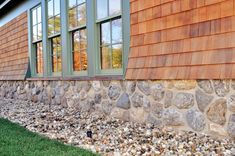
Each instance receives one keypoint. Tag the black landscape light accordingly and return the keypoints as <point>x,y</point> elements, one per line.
<point>89,134</point>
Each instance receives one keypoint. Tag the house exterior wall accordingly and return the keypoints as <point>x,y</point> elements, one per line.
<point>182,39</point>
<point>14,49</point>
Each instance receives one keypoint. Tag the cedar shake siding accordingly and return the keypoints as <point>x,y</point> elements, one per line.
<point>182,39</point>
<point>14,49</point>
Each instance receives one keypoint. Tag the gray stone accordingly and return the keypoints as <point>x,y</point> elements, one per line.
<point>195,120</point>
<point>157,91</point>
<point>206,86</point>
<point>146,104</point>
<point>144,87</point>
<point>153,120</point>
<point>157,109</point>
<point>221,87</point>
<point>123,101</point>
<point>87,106</point>
<point>114,91</point>
<point>137,100</point>
<point>83,95</point>
<point>168,99</point>
<point>233,84</point>
<point>231,126</point>
<point>231,103</point>
<point>98,98</point>
<point>203,100</point>
<point>130,86</point>
<point>106,107</point>
<point>96,85</point>
<point>35,91</point>
<point>183,100</point>
<point>217,112</point>
<point>172,117</point>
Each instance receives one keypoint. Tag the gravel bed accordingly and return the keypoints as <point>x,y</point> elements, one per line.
<point>111,136</point>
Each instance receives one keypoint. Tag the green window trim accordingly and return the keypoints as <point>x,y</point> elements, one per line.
<point>93,46</point>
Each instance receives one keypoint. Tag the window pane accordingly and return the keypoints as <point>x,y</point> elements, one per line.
<point>117,56</point>
<point>81,14</point>
<point>39,58</point>
<point>83,39</point>
<point>114,7</point>
<point>35,33</point>
<point>102,8</point>
<point>57,7</point>
<point>34,13</point>
<point>39,14</point>
<point>105,33</point>
<point>76,41</point>
<point>59,63</point>
<point>50,8</point>
<point>54,64</point>
<point>72,18</point>
<point>105,58</point>
<point>39,31</point>
<point>76,61</point>
<point>81,1</point>
<point>57,24</point>
<point>72,3</point>
<point>117,31</point>
<point>83,60</point>
<point>51,26</point>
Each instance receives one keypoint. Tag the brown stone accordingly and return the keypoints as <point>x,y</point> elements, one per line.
<point>217,112</point>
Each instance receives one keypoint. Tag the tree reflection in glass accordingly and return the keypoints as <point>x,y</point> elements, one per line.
<point>79,50</point>
<point>77,13</point>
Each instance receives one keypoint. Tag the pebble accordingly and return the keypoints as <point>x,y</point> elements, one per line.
<point>111,136</point>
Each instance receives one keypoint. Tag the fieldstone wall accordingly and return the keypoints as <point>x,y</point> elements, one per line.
<point>206,106</point>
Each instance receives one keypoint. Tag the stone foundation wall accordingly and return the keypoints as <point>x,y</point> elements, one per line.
<point>206,106</point>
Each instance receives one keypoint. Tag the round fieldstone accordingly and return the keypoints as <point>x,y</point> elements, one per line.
<point>231,103</point>
<point>144,87</point>
<point>185,84</point>
<point>114,91</point>
<point>183,100</point>
<point>217,112</point>
<point>106,107</point>
<point>157,91</point>
<point>153,120</point>
<point>123,101</point>
<point>172,117</point>
<point>137,100</point>
<point>195,119</point>
<point>98,98</point>
<point>96,85</point>
<point>231,126</point>
<point>203,100</point>
<point>157,109</point>
<point>221,87</point>
<point>206,86</point>
<point>130,86</point>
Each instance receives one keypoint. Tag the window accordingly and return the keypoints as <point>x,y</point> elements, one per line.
<point>77,27</point>
<point>110,30</point>
<point>37,39</point>
<point>80,37</point>
<point>54,34</point>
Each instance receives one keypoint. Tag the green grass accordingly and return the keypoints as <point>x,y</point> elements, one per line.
<point>17,141</point>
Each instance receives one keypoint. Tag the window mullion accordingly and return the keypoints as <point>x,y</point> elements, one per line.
<point>45,43</point>
<point>65,48</point>
<point>91,37</point>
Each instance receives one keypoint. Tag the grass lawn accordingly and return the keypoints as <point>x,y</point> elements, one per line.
<point>17,141</point>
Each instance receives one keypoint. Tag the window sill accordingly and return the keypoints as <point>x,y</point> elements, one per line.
<point>77,78</point>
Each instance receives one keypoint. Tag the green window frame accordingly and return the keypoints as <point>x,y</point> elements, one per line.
<point>36,40</point>
<point>63,50</point>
